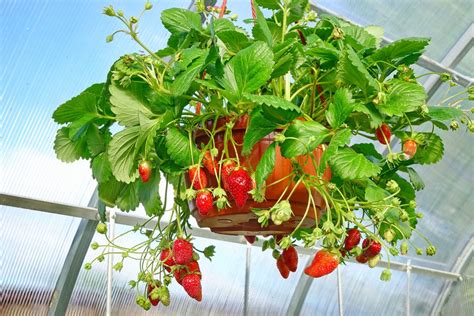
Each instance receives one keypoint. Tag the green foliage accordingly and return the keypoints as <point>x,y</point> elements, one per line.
<point>180,20</point>
<point>350,165</point>
<point>258,128</point>
<point>431,151</point>
<point>302,137</point>
<point>340,108</point>
<point>402,97</point>
<point>180,148</point>
<point>266,165</point>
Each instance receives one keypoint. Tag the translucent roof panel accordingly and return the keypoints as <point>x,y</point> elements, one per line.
<point>50,52</point>
<point>31,262</point>
<point>442,21</point>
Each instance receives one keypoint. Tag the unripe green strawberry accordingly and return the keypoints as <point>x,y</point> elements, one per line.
<point>101,228</point>
<point>430,250</point>
<point>389,234</point>
<point>374,261</point>
<point>164,295</point>
<point>386,275</point>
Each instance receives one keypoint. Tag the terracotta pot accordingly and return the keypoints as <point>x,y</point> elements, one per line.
<point>242,221</point>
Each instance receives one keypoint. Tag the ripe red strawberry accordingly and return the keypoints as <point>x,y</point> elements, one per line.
<point>383,134</point>
<point>250,239</point>
<point>281,265</point>
<point>167,257</point>
<point>323,263</point>
<point>352,239</point>
<point>239,184</point>
<point>343,252</point>
<point>362,258</point>
<point>204,202</point>
<point>227,167</point>
<point>209,163</point>
<point>409,148</point>
<point>290,256</point>
<point>192,285</point>
<point>182,251</point>
<point>150,288</point>
<point>144,169</point>
<point>198,177</point>
<point>190,268</point>
<point>371,248</point>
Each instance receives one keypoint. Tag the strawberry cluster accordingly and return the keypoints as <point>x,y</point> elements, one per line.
<point>235,180</point>
<point>287,261</point>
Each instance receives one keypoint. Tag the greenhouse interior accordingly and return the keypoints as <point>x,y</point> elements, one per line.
<point>240,157</point>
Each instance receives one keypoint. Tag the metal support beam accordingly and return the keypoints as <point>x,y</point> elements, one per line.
<point>132,220</point>
<point>462,46</point>
<point>301,290</point>
<point>407,297</point>
<point>72,265</point>
<point>424,61</point>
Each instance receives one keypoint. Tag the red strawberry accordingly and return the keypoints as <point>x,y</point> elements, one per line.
<point>190,268</point>
<point>227,167</point>
<point>204,202</point>
<point>182,251</point>
<point>144,169</point>
<point>150,288</point>
<point>323,263</point>
<point>343,252</point>
<point>409,148</point>
<point>192,285</point>
<point>209,163</point>
<point>383,134</point>
<point>371,248</point>
<point>198,177</point>
<point>352,239</point>
<point>290,256</point>
<point>250,239</point>
<point>362,258</point>
<point>281,265</point>
<point>239,184</point>
<point>167,257</point>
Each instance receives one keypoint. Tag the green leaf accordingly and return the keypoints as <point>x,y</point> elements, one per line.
<point>269,4</point>
<point>102,211</point>
<point>110,190</point>
<point>122,154</point>
<point>374,119</point>
<point>340,139</point>
<point>283,57</point>
<point>81,126</point>
<point>276,109</point>
<point>101,168</point>
<point>444,113</point>
<point>405,51</point>
<point>261,28</point>
<point>183,81</point>
<point>374,193</point>
<point>431,151</point>
<point>178,146</point>
<point>415,179</point>
<point>234,41</point>
<point>128,200</point>
<point>376,32</point>
<point>402,97</point>
<point>296,10</point>
<point>340,108</point>
<point>209,252</point>
<point>367,150</point>
<point>258,128</point>
<point>350,165</point>
<point>96,141</point>
<point>304,136</point>
<point>77,107</point>
<point>352,71</point>
<point>358,37</point>
<point>247,71</point>
<point>68,150</point>
<point>265,165</point>
<point>149,195</point>
<point>129,104</point>
<point>178,20</point>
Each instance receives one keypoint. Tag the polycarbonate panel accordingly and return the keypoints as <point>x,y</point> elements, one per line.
<point>466,65</point>
<point>321,298</point>
<point>269,293</point>
<point>223,284</point>
<point>365,294</point>
<point>442,21</point>
<point>33,247</point>
<point>50,52</point>
<point>461,297</point>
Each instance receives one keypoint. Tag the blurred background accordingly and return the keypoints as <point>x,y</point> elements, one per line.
<point>50,50</point>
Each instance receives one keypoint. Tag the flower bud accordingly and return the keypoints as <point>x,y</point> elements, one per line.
<point>120,13</point>
<point>445,77</point>
<point>430,250</point>
<point>132,283</point>
<point>412,204</point>
<point>419,251</point>
<point>133,20</point>
<point>279,138</point>
<point>419,215</point>
<point>109,38</point>
<point>392,186</point>
<point>386,275</point>
<point>395,201</point>
<point>100,258</point>
<point>109,11</point>
<point>118,266</point>
<point>403,216</point>
<point>148,5</point>
<point>454,125</point>
<point>404,248</point>
<point>94,245</point>
<point>393,251</point>
<point>88,266</point>
<point>234,17</point>
<point>101,228</point>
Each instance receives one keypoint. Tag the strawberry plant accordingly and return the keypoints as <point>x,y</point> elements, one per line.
<point>294,124</point>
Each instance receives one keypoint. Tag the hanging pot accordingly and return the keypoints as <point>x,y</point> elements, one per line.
<point>242,221</point>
